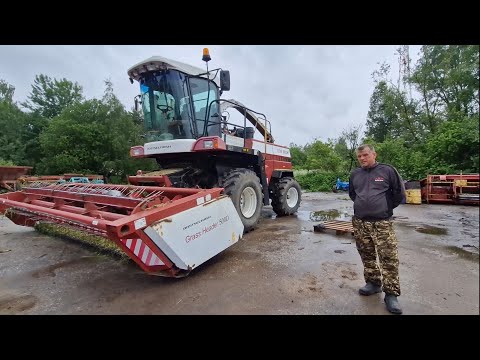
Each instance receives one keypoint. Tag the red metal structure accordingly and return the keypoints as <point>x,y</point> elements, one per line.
<point>166,231</point>
<point>90,177</point>
<point>13,178</point>
<point>454,189</point>
<point>10,174</point>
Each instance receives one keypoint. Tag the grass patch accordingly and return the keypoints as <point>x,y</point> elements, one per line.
<point>100,244</point>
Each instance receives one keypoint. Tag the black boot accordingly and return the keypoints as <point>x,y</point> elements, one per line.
<point>370,289</point>
<point>392,304</point>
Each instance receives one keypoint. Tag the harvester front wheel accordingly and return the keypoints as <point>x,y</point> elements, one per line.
<point>243,187</point>
<point>286,196</point>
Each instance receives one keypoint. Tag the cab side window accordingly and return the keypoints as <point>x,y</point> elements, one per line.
<point>203,93</point>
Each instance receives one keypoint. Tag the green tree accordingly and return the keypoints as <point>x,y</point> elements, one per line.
<point>392,113</point>
<point>380,116</point>
<point>19,138</point>
<point>321,156</point>
<point>299,157</point>
<point>12,125</point>
<point>6,163</point>
<point>351,139</point>
<point>49,97</point>
<point>92,136</point>
<point>455,147</point>
<point>447,76</point>
<point>435,131</point>
<point>6,91</point>
<point>33,126</point>
<point>341,149</point>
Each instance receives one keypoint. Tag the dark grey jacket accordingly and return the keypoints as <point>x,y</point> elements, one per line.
<point>376,191</point>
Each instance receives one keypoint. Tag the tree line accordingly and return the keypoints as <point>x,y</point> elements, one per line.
<point>426,122</point>
<point>56,130</point>
<point>434,130</point>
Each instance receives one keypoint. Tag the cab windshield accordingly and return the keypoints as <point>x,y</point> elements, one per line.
<point>175,106</point>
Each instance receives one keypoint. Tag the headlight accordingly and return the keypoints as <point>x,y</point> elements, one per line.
<point>208,144</point>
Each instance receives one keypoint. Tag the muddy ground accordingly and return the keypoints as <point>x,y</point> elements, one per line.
<point>283,267</point>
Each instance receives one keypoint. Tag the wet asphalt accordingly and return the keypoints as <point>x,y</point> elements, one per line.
<point>281,268</point>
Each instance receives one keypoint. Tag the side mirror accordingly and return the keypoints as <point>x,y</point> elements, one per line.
<point>224,80</point>
<point>137,101</point>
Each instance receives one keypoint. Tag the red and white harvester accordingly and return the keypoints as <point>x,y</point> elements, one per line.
<point>212,182</point>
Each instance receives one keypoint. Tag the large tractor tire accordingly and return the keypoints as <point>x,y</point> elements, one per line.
<point>286,196</point>
<point>243,187</point>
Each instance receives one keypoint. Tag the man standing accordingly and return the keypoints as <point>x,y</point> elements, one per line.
<point>376,189</point>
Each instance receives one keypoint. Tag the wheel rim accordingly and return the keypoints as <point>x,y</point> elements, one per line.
<point>292,197</point>
<point>248,202</point>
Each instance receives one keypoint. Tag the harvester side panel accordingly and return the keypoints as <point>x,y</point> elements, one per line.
<point>275,168</point>
<point>267,148</point>
<point>142,252</point>
<point>193,236</point>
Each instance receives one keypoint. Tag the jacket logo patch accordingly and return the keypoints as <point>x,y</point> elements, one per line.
<point>378,179</point>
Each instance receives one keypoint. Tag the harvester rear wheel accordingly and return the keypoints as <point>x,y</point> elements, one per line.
<point>243,187</point>
<point>286,196</point>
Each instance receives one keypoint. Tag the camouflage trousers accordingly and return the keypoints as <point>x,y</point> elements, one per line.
<point>378,238</point>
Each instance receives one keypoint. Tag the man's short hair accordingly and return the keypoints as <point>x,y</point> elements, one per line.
<point>366,146</point>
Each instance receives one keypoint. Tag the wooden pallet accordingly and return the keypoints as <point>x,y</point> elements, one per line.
<point>339,226</point>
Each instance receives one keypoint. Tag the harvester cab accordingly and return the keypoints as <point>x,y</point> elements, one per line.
<point>195,146</point>
<point>178,101</point>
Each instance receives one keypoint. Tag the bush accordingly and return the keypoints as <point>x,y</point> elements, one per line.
<point>6,162</point>
<point>320,180</point>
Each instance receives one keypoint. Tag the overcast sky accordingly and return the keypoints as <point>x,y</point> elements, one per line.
<point>306,92</point>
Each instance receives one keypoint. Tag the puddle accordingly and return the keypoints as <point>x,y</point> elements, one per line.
<point>432,230</point>
<point>323,215</point>
<point>12,304</point>
<point>464,254</point>
<point>50,270</point>
<point>276,228</point>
